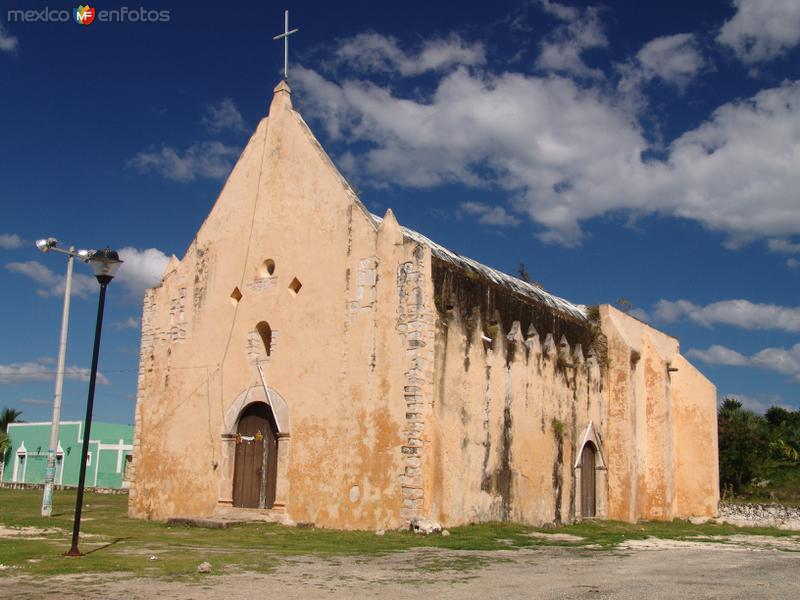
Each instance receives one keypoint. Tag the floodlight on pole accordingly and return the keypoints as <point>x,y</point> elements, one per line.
<point>105,264</point>
<point>46,245</point>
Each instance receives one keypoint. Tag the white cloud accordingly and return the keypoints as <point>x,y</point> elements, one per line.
<point>129,323</point>
<point>719,355</point>
<point>781,360</point>
<point>567,153</point>
<point>561,50</point>
<point>738,313</point>
<point>490,215</point>
<point>36,402</point>
<point>792,264</point>
<point>36,371</point>
<point>8,43</point>
<point>212,160</point>
<point>673,59</point>
<point>141,269</point>
<point>9,241</point>
<point>375,53</point>
<point>762,29</point>
<point>783,246</point>
<point>52,284</point>
<point>223,116</point>
<point>561,11</point>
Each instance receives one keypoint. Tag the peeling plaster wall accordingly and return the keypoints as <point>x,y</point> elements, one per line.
<point>501,411</point>
<point>661,442</point>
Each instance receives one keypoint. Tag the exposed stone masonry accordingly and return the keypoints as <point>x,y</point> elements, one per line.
<point>415,324</point>
<point>366,285</point>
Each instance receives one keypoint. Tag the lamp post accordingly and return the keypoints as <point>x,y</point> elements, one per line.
<point>104,264</point>
<point>46,245</point>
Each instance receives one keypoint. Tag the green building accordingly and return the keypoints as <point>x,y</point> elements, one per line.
<point>110,448</point>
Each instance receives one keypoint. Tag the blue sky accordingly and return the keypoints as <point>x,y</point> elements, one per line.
<point>649,151</point>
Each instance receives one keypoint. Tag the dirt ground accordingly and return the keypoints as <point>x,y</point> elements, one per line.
<point>650,569</point>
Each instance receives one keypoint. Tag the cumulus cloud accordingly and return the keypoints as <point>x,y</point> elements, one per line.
<point>51,283</point>
<point>490,215</point>
<point>719,355</point>
<point>375,53</point>
<point>561,50</point>
<point>762,29</point>
<point>567,153</point>
<point>781,360</point>
<point>28,372</point>
<point>210,160</point>
<point>140,270</point>
<point>673,59</point>
<point>738,313</point>
<point>129,323</point>
<point>10,241</point>
<point>223,116</point>
<point>783,246</point>
<point>8,43</point>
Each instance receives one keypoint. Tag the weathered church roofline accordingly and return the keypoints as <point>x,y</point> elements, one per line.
<point>523,288</point>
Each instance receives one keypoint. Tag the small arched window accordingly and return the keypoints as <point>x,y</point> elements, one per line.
<point>267,268</point>
<point>265,331</point>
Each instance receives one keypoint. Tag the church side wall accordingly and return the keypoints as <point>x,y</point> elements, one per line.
<point>661,443</point>
<point>509,417</point>
<point>694,429</point>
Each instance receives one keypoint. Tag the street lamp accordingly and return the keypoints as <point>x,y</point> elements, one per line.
<point>104,264</point>
<point>46,245</point>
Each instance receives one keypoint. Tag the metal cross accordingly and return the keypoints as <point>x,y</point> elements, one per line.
<point>285,37</point>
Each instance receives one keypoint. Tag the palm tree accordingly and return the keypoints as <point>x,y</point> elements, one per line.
<point>9,415</point>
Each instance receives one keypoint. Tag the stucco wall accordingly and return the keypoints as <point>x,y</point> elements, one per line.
<point>509,418</point>
<point>661,444</point>
<point>339,357</point>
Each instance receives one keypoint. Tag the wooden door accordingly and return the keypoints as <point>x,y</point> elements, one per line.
<point>256,462</point>
<point>588,482</point>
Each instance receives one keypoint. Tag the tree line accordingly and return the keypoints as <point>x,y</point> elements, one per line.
<point>749,443</point>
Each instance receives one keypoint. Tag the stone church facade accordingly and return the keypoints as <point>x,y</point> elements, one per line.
<point>306,361</point>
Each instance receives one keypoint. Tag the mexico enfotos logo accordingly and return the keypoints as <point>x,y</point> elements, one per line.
<point>86,15</point>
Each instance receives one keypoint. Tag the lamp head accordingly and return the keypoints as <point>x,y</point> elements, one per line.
<point>47,243</point>
<point>105,264</point>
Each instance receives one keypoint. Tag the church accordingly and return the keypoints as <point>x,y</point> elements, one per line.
<point>306,361</point>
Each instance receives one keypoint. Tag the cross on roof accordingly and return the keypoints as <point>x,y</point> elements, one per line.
<point>285,37</point>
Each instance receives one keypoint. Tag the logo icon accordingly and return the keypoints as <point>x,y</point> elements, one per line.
<point>84,15</point>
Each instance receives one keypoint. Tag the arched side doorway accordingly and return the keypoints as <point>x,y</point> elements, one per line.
<point>588,482</point>
<point>256,458</point>
<point>590,476</point>
<point>243,419</point>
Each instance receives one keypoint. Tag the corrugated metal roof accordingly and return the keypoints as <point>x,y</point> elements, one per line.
<point>503,279</point>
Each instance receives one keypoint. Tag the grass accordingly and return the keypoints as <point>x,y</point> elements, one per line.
<point>114,543</point>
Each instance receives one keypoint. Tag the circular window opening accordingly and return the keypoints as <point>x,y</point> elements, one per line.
<point>267,268</point>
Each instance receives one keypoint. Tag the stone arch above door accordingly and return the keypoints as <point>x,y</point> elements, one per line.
<point>590,435</point>
<point>257,394</point>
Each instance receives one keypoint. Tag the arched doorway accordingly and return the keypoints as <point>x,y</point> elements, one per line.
<point>256,459</point>
<point>588,481</point>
